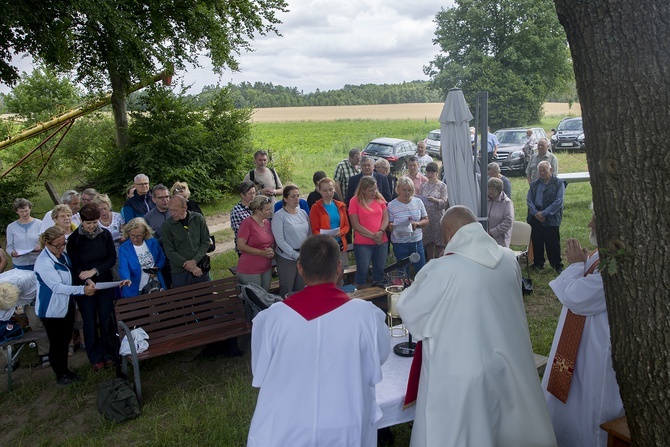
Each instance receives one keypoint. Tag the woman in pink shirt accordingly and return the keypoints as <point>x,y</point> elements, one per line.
<point>255,241</point>
<point>369,218</point>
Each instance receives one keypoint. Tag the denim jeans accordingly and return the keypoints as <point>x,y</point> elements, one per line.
<point>403,250</point>
<point>366,254</point>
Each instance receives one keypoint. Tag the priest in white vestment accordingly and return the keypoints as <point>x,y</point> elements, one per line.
<point>316,358</point>
<point>478,385</point>
<point>593,397</point>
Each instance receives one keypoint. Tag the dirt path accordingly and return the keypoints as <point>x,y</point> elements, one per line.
<point>220,222</point>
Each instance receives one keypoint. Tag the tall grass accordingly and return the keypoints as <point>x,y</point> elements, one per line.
<point>210,403</point>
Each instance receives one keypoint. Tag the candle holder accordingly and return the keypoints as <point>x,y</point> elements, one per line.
<point>396,279</point>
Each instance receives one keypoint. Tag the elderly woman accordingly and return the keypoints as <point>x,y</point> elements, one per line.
<point>434,195</point>
<point>109,220</point>
<point>62,217</point>
<point>329,214</point>
<point>241,211</point>
<point>23,236</point>
<point>93,255</point>
<point>181,188</point>
<point>290,228</point>
<point>255,241</point>
<point>54,303</point>
<point>383,167</point>
<point>407,216</point>
<point>501,212</point>
<point>140,251</point>
<point>369,218</point>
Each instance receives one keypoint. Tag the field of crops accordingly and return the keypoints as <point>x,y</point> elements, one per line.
<point>430,111</point>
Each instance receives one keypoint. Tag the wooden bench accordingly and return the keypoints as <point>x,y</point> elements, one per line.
<point>182,318</point>
<point>26,339</point>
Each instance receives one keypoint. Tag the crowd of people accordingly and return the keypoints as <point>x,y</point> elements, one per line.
<point>475,343</point>
<point>159,237</point>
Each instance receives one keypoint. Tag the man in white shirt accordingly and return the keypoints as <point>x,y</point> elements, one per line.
<point>478,385</point>
<point>581,400</point>
<point>422,157</point>
<point>316,358</point>
<point>266,179</point>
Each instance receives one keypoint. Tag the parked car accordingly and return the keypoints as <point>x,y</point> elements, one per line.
<point>434,143</point>
<point>394,150</point>
<point>511,158</point>
<point>568,135</point>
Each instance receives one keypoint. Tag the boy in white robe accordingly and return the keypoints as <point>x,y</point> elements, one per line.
<point>593,397</point>
<point>478,386</point>
<point>316,358</point>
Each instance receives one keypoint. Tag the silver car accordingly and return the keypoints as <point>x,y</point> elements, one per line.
<point>434,143</point>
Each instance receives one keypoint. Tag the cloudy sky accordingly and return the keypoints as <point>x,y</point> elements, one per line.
<point>326,44</point>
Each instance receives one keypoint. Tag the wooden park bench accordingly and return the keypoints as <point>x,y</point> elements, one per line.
<point>181,318</point>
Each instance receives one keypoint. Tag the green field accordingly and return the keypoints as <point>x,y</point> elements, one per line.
<point>210,403</point>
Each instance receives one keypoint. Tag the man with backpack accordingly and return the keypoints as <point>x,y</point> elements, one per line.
<point>265,179</point>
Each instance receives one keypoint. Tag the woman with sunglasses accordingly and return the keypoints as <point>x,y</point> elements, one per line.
<point>256,242</point>
<point>55,303</point>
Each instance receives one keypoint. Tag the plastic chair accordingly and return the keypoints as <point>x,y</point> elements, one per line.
<point>521,237</point>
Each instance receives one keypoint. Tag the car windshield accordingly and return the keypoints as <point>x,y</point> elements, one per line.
<point>571,125</point>
<point>511,137</point>
<point>433,136</point>
<point>378,149</point>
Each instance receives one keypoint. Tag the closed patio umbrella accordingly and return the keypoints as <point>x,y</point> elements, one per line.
<point>457,157</point>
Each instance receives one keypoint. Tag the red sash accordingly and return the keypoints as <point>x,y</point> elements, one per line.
<point>563,365</point>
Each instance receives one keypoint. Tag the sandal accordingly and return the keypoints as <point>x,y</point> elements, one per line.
<point>70,350</point>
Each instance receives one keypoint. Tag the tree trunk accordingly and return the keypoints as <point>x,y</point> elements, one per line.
<point>118,101</point>
<point>621,54</point>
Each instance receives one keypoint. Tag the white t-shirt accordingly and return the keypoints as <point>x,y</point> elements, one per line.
<point>146,261</point>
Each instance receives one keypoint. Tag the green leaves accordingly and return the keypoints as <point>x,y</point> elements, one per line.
<point>514,49</point>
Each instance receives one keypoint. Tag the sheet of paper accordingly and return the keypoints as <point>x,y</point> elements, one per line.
<point>24,251</point>
<point>332,232</point>
<point>107,285</point>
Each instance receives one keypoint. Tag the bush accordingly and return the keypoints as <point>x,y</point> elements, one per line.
<point>174,140</point>
<point>13,186</point>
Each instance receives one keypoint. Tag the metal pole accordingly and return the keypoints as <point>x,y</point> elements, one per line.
<point>483,110</point>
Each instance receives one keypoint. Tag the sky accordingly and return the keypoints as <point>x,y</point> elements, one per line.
<point>327,44</point>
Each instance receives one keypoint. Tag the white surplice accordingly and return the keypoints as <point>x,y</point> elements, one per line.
<point>594,393</point>
<point>317,378</point>
<point>478,385</point>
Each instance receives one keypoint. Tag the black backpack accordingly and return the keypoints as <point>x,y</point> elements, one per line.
<point>252,177</point>
<point>117,401</point>
<point>10,330</point>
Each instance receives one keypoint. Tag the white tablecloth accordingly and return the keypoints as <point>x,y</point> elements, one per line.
<point>391,390</point>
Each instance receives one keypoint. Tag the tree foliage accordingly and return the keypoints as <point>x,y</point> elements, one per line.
<point>514,49</point>
<point>12,186</point>
<point>173,140</point>
<point>261,94</point>
<point>119,42</point>
<point>41,95</point>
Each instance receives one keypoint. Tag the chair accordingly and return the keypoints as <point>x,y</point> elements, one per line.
<point>521,237</point>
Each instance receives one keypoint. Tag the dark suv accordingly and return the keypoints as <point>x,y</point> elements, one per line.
<point>511,158</point>
<point>569,135</point>
<point>394,150</point>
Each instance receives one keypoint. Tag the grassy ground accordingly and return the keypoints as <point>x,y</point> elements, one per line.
<point>210,403</point>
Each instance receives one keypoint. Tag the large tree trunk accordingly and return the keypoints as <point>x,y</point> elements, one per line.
<point>118,100</point>
<point>621,53</point>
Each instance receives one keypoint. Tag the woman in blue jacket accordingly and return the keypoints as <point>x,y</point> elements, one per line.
<point>55,303</point>
<point>139,251</point>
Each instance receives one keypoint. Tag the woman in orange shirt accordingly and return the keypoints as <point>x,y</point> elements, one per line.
<point>330,214</point>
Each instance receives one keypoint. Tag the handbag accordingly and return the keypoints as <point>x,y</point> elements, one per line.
<point>153,285</point>
<point>205,264</point>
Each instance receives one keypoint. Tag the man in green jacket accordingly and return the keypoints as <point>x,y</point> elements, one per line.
<point>185,241</point>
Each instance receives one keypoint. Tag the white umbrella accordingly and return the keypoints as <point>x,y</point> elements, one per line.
<point>457,152</point>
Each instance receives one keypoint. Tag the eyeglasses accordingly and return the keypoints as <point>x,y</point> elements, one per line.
<point>178,189</point>
<point>59,246</point>
<point>142,184</point>
<point>136,236</point>
<point>162,198</point>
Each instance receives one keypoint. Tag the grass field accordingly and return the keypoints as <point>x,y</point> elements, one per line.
<point>210,403</point>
